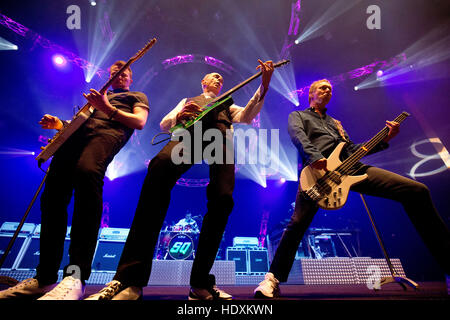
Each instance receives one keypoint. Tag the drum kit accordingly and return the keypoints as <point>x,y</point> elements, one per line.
<point>177,243</point>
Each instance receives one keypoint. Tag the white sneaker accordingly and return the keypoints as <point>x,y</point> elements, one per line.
<point>108,292</point>
<point>220,294</point>
<point>68,289</point>
<point>268,288</point>
<point>28,288</point>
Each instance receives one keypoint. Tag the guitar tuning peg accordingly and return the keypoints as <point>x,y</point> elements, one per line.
<point>42,148</point>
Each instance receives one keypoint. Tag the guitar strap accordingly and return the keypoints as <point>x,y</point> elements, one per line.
<point>340,129</point>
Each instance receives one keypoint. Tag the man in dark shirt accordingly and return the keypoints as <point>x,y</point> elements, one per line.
<point>316,134</point>
<point>79,167</point>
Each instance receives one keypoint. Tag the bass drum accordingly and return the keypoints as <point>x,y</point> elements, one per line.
<point>181,247</point>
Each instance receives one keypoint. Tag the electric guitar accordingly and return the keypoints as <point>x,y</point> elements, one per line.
<point>222,101</point>
<point>84,113</point>
<point>330,188</point>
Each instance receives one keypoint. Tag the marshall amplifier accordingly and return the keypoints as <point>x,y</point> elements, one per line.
<point>21,243</point>
<point>31,257</point>
<point>245,242</point>
<point>259,260</point>
<point>239,256</point>
<point>109,249</point>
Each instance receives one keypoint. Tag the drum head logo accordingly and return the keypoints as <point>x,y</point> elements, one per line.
<point>180,247</point>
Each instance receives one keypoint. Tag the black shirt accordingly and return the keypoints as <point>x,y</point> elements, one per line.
<point>123,100</point>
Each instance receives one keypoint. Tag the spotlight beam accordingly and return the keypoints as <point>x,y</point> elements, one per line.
<point>316,29</point>
<point>283,80</point>
<point>13,152</point>
<point>6,45</point>
<point>104,38</point>
<point>431,49</point>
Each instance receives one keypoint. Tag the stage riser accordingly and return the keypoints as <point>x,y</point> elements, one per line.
<point>304,271</point>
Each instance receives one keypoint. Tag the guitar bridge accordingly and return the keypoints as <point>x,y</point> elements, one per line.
<point>313,193</point>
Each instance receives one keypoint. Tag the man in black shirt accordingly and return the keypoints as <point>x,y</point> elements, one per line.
<point>79,167</point>
<point>316,134</point>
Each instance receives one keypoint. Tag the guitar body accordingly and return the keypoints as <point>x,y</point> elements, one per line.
<point>336,195</point>
<point>64,134</point>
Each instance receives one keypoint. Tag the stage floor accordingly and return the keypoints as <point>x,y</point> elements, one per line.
<point>426,291</point>
<point>327,301</point>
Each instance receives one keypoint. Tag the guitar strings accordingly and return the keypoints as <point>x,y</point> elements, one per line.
<point>321,185</point>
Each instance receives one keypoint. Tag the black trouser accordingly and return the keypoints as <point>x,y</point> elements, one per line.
<point>414,196</point>
<point>136,260</point>
<point>78,167</point>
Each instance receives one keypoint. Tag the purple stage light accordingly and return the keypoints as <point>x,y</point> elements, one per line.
<point>356,73</point>
<point>59,60</point>
<point>197,58</point>
<point>379,73</point>
<point>47,44</point>
<point>282,180</point>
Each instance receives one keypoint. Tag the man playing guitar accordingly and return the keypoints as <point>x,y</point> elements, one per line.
<point>316,135</point>
<point>79,167</point>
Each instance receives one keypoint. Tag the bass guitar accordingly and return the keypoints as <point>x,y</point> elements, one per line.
<point>84,113</point>
<point>330,188</point>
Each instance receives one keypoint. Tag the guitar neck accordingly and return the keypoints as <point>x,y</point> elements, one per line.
<point>345,167</point>
<point>114,77</point>
<point>118,73</point>
<point>245,82</point>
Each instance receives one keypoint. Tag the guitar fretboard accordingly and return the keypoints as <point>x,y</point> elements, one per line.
<point>345,166</point>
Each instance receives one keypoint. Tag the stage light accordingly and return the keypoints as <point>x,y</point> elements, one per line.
<point>283,79</point>
<point>103,41</point>
<point>59,60</point>
<point>6,45</point>
<point>356,88</point>
<point>13,152</point>
<point>282,180</point>
<point>316,28</point>
<point>379,73</point>
<point>425,53</point>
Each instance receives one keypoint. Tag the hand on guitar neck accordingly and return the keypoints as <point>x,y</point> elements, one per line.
<point>99,101</point>
<point>267,69</point>
<point>51,122</point>
<point>394,129</point>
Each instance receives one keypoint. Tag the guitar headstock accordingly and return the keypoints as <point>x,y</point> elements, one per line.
<point>143,50</point>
